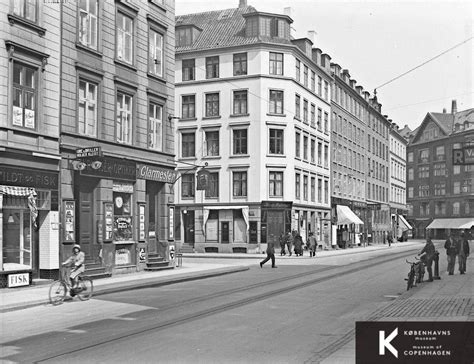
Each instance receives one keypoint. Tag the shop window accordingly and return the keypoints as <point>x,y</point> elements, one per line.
<point>240,227</point>
<point>212,226</point>
<point>16,236</point>
<point>123,212</point>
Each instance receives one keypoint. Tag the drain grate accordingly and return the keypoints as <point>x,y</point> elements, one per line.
<point>436,307</point>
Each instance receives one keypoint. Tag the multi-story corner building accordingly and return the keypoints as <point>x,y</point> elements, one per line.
<point>29,140</point>
<point>398,152</point>
<point>440,171</point>
<point>117,137</point>
<point>348,168</point>
<point>254,108</point>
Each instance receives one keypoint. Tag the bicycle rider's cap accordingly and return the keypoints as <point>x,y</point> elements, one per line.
<point>76,246</point>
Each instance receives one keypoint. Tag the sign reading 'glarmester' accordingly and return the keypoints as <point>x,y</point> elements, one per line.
<point>156,174</point>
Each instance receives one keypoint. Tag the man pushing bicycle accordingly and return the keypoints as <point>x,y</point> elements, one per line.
<point>76,262</point>
<point>427,255</point>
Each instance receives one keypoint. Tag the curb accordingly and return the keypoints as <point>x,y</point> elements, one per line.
<point>134,285</point>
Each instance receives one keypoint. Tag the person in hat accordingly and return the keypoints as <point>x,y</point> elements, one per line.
<point>427,255</point>
<point>462,248</point>
<point>76,262</point>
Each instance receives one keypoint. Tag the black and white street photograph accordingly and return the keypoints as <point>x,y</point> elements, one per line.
<point>238,182</point>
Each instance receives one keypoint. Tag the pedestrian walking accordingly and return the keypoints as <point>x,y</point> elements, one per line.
<point>427,255</point>
<point>270,255</point>
<point>462,248</point>
<point>451,252</point>
<point>390,238</point>
<point>289,242</point>
<point>312,245</point>
<point>298,245</point>
<point>282,242</point>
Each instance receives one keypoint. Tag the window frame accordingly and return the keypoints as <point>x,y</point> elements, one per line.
<point>187,104</point>
<point>97,27</point>
<point>160,145</point>
<point>185,67</point>
<point>278,141</point>
<point>216,141</point>
<point>239,101</point>
<point>210,105</point>
<point>212,67</point>
<point>240,139</point>
<point>153,29</point>
<point>131,95</point>
<point>276,65</point>
<point>212,186</point>
<point>188,147</point>
<point>242,184</point>
<point>279,97</point>
<point>125,14</point>
<point>34,90</point>
<point>87,80</point>
<point>240,64</point>
<point>188,179</point>
<point>278,184</point>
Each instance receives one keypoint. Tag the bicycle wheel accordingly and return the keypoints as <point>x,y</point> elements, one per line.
<point>85,289</point>
<point>411,279</point>
<point>57,292</point>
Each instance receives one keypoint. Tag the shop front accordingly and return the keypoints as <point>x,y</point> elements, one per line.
<point>29,225</point>
<point>276,219</point>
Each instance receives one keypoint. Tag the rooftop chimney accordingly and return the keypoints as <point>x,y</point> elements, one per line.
<point>454,107</point>
<point>444,110</point>
<point>312,36</point>
<point>287,11</point>
<point>242,3</point>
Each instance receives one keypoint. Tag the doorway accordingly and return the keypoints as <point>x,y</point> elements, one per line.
<point>275,225</point>
<point>85,227</point>
<point>188,222</point>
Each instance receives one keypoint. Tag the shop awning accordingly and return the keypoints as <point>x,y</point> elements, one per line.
<point>345,216</point>
<point>245,212</point>
<point>458,223</point>
<point>28,192</point>
<point>402,222</point>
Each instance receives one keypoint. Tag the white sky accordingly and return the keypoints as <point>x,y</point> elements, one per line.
<point>379,40</point>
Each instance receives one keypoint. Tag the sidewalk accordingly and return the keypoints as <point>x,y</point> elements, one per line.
<point>24,297</point>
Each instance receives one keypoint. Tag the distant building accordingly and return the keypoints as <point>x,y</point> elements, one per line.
<point>440,173</point>
<point>254,107</point>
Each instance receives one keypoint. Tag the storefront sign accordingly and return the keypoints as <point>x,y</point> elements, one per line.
<point>463,156</point>
<point>69,221</point>
<point>18,280</point>
<point>276,205</point>
<point>88,152</point>
<point>108,221</point>
<point>156,174</point>
<point>141,223</point>
<point>123,187</point>
<point>112,168</point>
<point>28,178</point>
<point>122,256</point>
<point>123,228</point>
<point>171,223</point>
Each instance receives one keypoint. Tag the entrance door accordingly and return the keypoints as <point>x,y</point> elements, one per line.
<point>275,226</point>
<point>188,222</point>
<point>225,232</point>
<point>84,195</point>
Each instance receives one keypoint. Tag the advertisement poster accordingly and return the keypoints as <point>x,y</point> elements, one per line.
<point>141,227</point>
<point>123,228</point>
<point>69,221</point>
<point>108,221</point>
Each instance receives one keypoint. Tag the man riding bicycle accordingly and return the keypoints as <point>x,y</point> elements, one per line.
<point>76,262</point>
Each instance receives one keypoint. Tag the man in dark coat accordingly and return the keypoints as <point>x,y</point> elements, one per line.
<point>289,242</point>
<point>427,255</point>
<point>451,252</point>
<point>270,255</point>
<point>312,245</point>
<point>298,244</point>
<point>282,242</point>
<point>462,248</point>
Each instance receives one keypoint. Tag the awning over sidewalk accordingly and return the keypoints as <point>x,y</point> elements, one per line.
<point>245,212</point>
<point>345,216</point>
<point>458,223</point>
<point>403,223</point>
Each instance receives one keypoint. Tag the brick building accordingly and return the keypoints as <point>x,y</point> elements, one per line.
<point>440,173</point>
<point>29,140</point>
<point>117,66</point>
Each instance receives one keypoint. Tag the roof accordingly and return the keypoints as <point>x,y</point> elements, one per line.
<point>445,121</point>
<point>222,28</point>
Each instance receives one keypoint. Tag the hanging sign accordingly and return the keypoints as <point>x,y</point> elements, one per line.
<point>202,179</point>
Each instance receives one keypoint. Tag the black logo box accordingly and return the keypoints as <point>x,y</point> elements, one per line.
<point>416,342</point>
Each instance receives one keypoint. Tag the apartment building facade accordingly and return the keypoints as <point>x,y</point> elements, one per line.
<point>254,108</point>
<point>440,173</point>
<point>29,141</point>
<point>117,139</point>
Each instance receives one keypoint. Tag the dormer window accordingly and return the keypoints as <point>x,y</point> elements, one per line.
<point>186,35</point>
<point>267,25</point>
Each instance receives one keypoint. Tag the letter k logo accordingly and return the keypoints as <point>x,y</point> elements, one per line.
<point>384,342</point>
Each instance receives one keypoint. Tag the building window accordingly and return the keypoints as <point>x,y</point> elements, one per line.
<point>313,189</point>
<point>326,123</point>
<point>87,108</point>
<point>88,34</point>
<point>313,151</point>
<point>320,86</point>
<point>124,38</point>
<point>326,191</point>
<point>410,157</point>
<point>212,105</point>
<point>276,102</point>
<point>276,184</point>
<point>305,111</point>
<point>424,172</point>
<point>457,187</point>
<point>326,90</point>
<point>188,70</point>
<point>188,146</point>
<point>440,155</point>
<point>440,169</point>
<point>424,156</point>
<point>456,208</point>
<point>212,190</point>
<point>124,124</point>
<point>423,191</point>
<point>155,126</point>
<point>184,37</point>
<point>313,81</point>
<point>440,189</point>
<point>298,70</point>
<point>276,63</point>
<point>26,9</point>
<point>188,107</point>
<point>276,141</point>
<point>440,208</point>
<point>305,148</point>
<point>411,174</point>
<point>320,153</point>
<point>187,185</point>
<point>155,61</point>
<point>326,155</point>
<point>239,184</point>
<point>212,67</point>
<point>24,95</point>
<point>320,119</point>
<point>320,190</point>
<point>410,192</point>
<point>297,145</point>
<point>297,107</point>
<point>240,141</point>
<point>313,115</point>
<point>240,102</point>
<point>305,76</point>
<point>212,143</point>
<point>240,64</point>
<point>305,188</point>
<point>297,186</point>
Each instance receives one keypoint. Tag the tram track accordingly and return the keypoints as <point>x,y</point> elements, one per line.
<point>308,280</point>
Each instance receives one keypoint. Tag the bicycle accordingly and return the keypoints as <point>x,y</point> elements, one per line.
<point>59,289</point>
<point>416,273</point>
